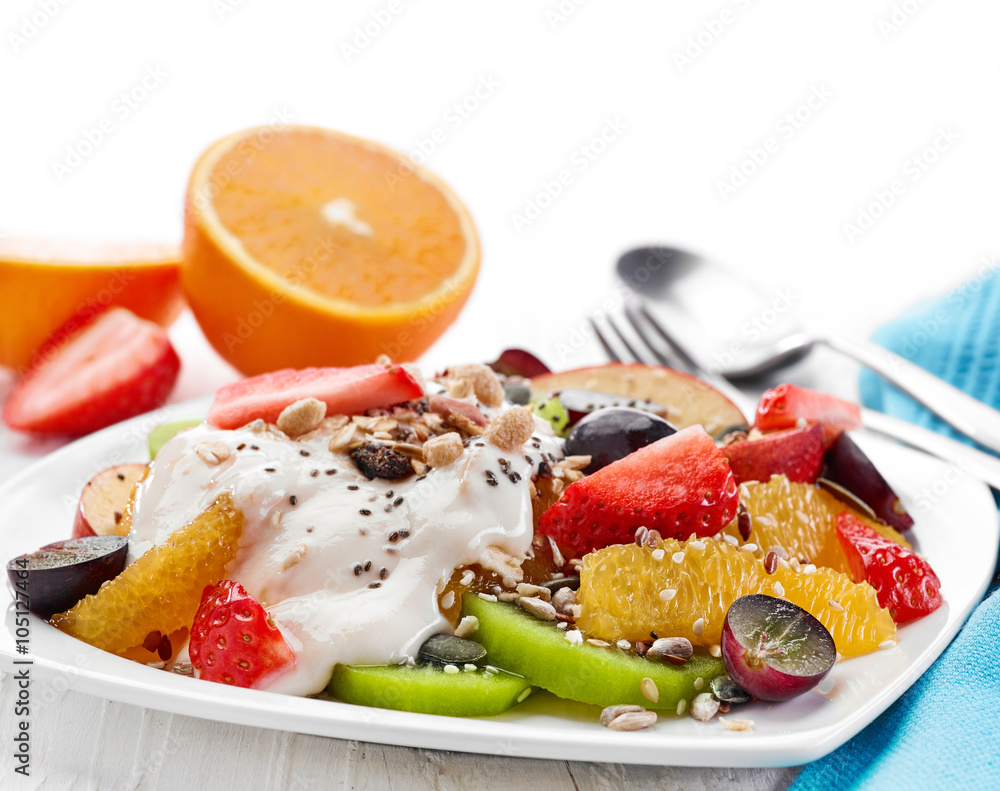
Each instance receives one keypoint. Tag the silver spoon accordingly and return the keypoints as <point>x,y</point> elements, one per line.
<point>758,332</point>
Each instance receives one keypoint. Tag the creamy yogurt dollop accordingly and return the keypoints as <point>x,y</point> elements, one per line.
<point>313,520</point>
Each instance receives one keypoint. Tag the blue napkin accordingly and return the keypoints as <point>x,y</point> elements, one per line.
<point>944,732</point>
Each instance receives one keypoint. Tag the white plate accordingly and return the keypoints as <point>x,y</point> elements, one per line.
<point>957,528</point>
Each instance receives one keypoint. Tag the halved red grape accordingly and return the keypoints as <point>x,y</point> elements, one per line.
<point>58,575</point>
<point>774,649</point>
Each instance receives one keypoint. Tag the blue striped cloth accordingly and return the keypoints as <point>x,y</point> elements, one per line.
<point>944,733</point>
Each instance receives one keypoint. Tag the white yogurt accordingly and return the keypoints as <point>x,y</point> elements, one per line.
<point>300,560</point>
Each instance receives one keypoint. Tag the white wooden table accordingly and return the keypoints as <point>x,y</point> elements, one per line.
<point>840,99</point>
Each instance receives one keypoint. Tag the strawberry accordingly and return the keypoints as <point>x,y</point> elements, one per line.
<point>678,485</point>
<point>785,405</point>
<point>796,453</point>
<point>88,376</point>
<point>344,390</point>
<point>905,583</point>
<point>233,640</point>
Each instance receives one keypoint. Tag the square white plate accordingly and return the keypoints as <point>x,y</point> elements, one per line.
<point>956,528</point>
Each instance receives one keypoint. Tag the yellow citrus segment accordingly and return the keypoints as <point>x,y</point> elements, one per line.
<point>305,246</point>
<point>685,588</point>
<point>162,589</point>
<point>801,519</point>
<point>44,284</point>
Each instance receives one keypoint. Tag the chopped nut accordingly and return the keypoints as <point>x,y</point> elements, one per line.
<point>633,721</point>
<point>502,563</point>
<point>511,429</point>
<point>527,589</point>
<point>613,712</point>
<point>540,609</point>
<point>704,706</point>
<point>344,438</point>
<point>302,416</point>
<point>212,453</point>
<point>459,388</point>
<point>442,450</point>
<point>563,599</point>
<point>481,380</point>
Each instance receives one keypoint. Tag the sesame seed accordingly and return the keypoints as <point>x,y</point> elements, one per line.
<point>372,498</point>
<point>698,683</point>
<point>730,539</point>
<point>241,446</point>
<point>331,471</point>
<point>448,600</point>
<point>514,477</point>
<point>649,690</point>
<point>528,459</point>
<point>397,502</point>
<point>357,569</point>
<point>383,573</point>
<point>313,473</point>
<point>303,452</point>
<point>388,495</point>
<point>269,469</point>
<point>667,594</point>
<point>467,578</point>
<point>658,554</point>
<point>749,547</point>
<point>492,482</point>
<point>451,669</point>
<point>393,537</point>
<point>809,568</point>
<point>698,626</point>
<point>524,695</point>
<point>487,597</point>
<point>699,545</point>
<point>404,533</point>
<point>677,557</point>
<point>715,650</point>
<point>835,605</point>
<point>293,500</point>
<point>362,531</point>
<point>390,550</point>
<point>353,487</point>
<point>681,706</point>
<point>624,645</point>
<point>365,512</point>
<point>468,667</point>
<point>368,565</point>
<point>886,644</point>
<point>779,589</point>
<point>420,478</point>
<point>374,585</point>
<point>255,447</point>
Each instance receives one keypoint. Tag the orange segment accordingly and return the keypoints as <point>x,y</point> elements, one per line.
<point>801,518</point>
<point>628,591</point>
<point>305,246</point>
<point>162,589</point>
<point>43,284</point>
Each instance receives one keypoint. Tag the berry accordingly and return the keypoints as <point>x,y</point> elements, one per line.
<point>785,405</point>
<point>613,433</point>
<point>87,377</point>
<point>679,485</point>
<point>796,454</point>
<point>233,640</point>
<point>345,391</point>
<point>906,584</point>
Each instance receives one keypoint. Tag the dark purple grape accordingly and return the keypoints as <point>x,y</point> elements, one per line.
<point>613,433</point>
<point>846,464</point>
<point>518,362</point>
<point>774,649</point>
<point>58,575</point>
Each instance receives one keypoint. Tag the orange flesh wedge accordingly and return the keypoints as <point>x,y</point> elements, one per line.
<point>305,246</point>
<point>628,591</point>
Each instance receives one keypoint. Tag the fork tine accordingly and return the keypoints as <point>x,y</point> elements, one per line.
<point>636,322</point>
<point>639,307</point>
<point>624,340</point>
<point>608,349</point>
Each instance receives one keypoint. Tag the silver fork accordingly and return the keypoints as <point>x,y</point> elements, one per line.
<point>654,344</point>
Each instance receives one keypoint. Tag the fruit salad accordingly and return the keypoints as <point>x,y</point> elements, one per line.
<point>616,535</point>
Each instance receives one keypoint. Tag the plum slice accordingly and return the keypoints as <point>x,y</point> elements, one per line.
<point>58,575</point>
<point>846,464</point>
<point>774,649</point>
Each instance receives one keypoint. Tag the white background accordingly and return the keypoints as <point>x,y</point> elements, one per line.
<point>696,87</point>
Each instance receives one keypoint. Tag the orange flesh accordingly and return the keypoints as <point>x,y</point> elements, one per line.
<point>280,192</point>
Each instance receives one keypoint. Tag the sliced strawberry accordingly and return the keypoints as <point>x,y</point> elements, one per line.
<point>785,405</point>
<point>678,485</point>
<point>905,583</point>
<point>88,376</point>
<point>345,391</point>
<point>233,640</point>
<point>796,453</point>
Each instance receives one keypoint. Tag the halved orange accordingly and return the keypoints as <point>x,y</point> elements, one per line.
<point>305,246</point>
<point>43,284</point>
